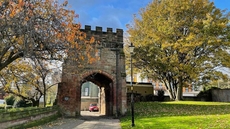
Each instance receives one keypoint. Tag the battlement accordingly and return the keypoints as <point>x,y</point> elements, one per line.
<point>104,37</point>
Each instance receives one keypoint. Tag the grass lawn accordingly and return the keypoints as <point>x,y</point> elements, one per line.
<point>179,115</point>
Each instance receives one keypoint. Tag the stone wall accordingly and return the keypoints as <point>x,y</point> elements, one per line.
<point>23,117</point>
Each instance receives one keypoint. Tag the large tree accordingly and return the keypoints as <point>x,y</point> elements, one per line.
<point>39,29</point>
<point>180,41</point>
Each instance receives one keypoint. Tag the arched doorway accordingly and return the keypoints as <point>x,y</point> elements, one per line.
<point>104,91</point>
<point>89,95</point>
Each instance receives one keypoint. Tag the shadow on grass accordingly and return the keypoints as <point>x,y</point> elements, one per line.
<point>158,109</point>
<point>178,115</point>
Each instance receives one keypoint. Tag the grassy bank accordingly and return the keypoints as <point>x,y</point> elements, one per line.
<point>179,115</point>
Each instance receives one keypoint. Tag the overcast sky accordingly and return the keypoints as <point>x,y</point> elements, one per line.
<point>115,13</point>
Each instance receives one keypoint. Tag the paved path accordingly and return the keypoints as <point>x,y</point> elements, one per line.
<point>88,120</point>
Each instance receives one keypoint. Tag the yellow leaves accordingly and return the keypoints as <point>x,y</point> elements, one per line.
<point>92,40</point>
<point>13,39</point>
<point>76,45</point>
<point>82,36</point>
<point>63,24</point>
<point>20,3</point>
<point>176,45</point>
<point>166,45</point>
<point>70,37</point>
<point>82,58</point>
<point>26,18</point>
<point>208,21</point>
<point>7,87</point>
<point>92,60</point>
<point>222,25</point>
<point>12,14</point>
<point>20,40</point>
<point>13,8</point>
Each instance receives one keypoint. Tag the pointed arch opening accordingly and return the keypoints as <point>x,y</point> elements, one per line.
<point>97,88</point>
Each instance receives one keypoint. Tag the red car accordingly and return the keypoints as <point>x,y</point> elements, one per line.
<point>93,107</point>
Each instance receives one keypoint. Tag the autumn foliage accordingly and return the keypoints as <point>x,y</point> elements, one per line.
<point>181,42</point>
<point>42,29</point>
<point>38,30</point>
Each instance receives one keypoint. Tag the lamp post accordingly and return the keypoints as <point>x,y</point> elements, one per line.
<point>131,48</point>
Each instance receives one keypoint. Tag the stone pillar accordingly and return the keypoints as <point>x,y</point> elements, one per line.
<point>102,102</point>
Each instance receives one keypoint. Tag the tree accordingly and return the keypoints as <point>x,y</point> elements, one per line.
<point>30,79</point>
<point>39,29</point>
<point>19,79</point>
<point>46,76</point>
<point>180,41</point>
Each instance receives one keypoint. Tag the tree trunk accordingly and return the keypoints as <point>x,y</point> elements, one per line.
<point>171,91</point>
<point>179,94</point>
<point>35,103</point>
<point>44,99</point>
<point>171,96</point>
<point>44,93</point>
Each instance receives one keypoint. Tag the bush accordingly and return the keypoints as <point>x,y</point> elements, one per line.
<point>149,97</point>
<point>142,99</point>
<point>10,100</point>
<point>23,103</point>
<point>160,95</point>
<point>136,97</point>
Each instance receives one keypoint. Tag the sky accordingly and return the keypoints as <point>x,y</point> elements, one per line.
<point>115,13</point>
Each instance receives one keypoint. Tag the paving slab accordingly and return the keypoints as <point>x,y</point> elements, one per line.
<point>88,120</point>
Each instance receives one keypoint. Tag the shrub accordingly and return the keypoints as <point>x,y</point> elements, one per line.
<point>136,97</point>
<point>23,103</point>
<point>160,95</point>
<point>142,99</point>
<point>10,100</point>
<point>149,97</point>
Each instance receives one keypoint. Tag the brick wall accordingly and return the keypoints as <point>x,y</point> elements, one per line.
<point>107,73</point>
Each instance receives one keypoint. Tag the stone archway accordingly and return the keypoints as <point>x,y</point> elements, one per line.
<point>106,85</point>
<point>108,73</point>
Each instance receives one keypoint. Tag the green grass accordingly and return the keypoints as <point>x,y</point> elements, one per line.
<point>179,115</point>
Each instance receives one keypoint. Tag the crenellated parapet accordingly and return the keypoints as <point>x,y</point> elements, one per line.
<point>108,39</point>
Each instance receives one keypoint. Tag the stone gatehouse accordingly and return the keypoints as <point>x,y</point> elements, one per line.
<point>108,73</point>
